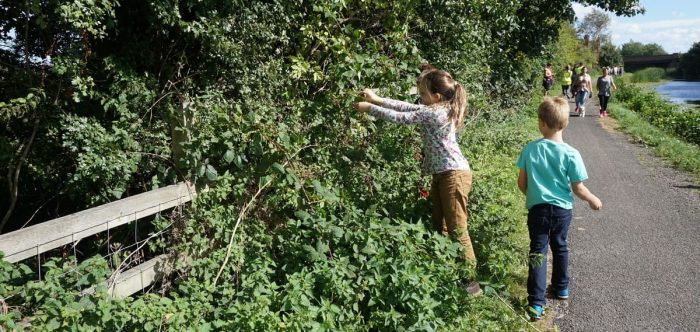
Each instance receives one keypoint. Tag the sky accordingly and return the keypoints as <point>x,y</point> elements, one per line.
<point>673,24</point>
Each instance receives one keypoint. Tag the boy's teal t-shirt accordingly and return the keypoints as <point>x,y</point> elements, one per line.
<point>551,167</point>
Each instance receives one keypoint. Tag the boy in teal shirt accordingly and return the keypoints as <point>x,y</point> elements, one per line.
<point>551,171</point>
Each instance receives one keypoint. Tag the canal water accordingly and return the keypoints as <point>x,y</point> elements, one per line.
<point>680,91</point>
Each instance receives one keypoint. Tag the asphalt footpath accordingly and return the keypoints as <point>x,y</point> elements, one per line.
<point>635,264</point>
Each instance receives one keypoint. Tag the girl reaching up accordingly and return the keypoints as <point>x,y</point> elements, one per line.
<point>439,116</point>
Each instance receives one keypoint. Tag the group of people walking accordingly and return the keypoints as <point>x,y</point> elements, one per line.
<point>576,83</point>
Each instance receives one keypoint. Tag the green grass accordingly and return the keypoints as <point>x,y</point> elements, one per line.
<point>648,75</point>
<point>683,155</point>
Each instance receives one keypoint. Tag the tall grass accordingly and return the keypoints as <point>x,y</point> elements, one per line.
<point>652,74</point>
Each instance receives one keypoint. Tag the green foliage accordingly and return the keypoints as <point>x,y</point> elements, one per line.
<point>690,63</point>
<point>680,121</point>
<point>609,56</point>
<point>571,50</point>
<point>620,8</point>
<point>633,48</point>
<point>330,266</point>
<point>652,74</point>
<point>680,153</point>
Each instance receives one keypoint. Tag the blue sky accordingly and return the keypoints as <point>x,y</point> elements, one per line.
<point>673,24</point>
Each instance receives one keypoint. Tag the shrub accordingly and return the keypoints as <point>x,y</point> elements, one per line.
<point>652,74</point>
<point>681,121</point>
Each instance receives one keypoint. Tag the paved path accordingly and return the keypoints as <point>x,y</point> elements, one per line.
<point>635,265</point>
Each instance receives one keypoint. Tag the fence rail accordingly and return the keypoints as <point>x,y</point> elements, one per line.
<point>40,238</point>
<point>33,240</point>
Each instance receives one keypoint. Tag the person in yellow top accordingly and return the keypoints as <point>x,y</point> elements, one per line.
<point>566,81</point>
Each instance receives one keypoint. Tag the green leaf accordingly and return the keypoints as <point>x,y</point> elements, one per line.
<point>279,168</point>
<point>228,156</point>
<point>211,173</point>
<point>117,193</point>
<point>303,215</point>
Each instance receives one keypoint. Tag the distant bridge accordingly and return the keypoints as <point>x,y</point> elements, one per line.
<point>665,61</point>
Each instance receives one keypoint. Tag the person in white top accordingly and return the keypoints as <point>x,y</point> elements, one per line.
<point>584,88</point>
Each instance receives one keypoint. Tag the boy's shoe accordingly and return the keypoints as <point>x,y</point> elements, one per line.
<point>601,115</point>
<point>583,113</point>
<point>563,294</point>
<point>605,113</point>
<point>534,311</point>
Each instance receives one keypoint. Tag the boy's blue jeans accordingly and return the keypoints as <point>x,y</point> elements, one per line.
<point>547,224</point>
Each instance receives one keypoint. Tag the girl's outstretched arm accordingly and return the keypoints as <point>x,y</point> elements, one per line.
<point>369,96</point>
<point>401,106</point>
<point>424,116</point>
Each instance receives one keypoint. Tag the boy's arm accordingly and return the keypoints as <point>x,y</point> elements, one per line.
<point>583,193</point>
<point>522,181</point>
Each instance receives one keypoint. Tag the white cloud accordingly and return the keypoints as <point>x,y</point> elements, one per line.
<point>677,13</point>
<point>673,35</point>
<point>581,10</point>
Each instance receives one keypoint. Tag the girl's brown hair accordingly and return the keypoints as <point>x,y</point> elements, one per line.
<point>452,93</point>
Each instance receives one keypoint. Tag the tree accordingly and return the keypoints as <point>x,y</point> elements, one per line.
<point>690,63</point>
<point>570,49</point>
<point>620,8</point>
<point>633,48</point>
<point>609,56</point>
<point>654,49</point>
<point>595,24</point>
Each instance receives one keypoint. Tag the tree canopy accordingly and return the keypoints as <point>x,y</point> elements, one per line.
<point>690,63</point>
<point>633,48</point>
<point>610,56</point>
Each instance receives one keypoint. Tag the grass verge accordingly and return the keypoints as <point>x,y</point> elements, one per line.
<point>683,155</point>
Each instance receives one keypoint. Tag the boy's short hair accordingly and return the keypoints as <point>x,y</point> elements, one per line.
<point>554,112</point>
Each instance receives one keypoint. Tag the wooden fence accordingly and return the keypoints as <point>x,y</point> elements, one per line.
<point>34,240</point>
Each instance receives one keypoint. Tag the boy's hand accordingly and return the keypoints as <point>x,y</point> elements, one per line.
<point>595,203</point>
<point>369,96</point>
<point>362,106</point>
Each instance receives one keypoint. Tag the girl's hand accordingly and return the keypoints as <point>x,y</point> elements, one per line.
<point>362,106</point>
<point>369,96</point>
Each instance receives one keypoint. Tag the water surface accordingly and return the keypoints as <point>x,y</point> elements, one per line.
<point>687,92</point>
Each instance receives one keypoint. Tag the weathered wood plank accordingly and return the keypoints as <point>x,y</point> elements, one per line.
<point>142,276</point>
<point>52,234</point>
